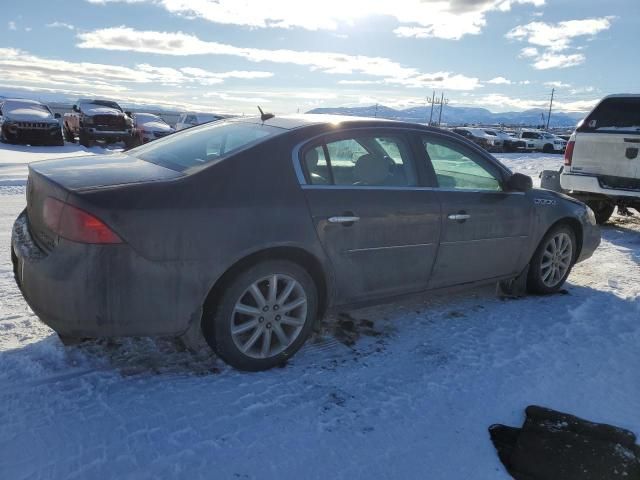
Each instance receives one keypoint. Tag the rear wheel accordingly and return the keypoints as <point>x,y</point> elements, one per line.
<point>548,148</point>
<point>263,316</point>
<point>552,261</point>
<point>602,209</point>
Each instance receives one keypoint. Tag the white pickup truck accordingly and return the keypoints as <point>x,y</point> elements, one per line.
<point>542,141</point>
<point>602,160</point>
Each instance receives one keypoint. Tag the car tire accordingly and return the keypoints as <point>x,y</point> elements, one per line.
<point>85,140</point>
<point>552,261</point>
<point>602,209</point>
<point>247,326</point>
<point>548,148</point>
<point>69,136</point>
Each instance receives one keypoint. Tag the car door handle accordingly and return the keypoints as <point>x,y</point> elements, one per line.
<point>458,217</point>
<point>344,219</point>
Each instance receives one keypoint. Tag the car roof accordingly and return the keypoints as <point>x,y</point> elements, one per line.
<point>291,122</point>
<point>22,100</point>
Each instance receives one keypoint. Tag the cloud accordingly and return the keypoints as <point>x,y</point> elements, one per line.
<point>181,44</point>
<point>556,39</point>
<point>12,25</point>
<point>417,18</point>
<point>557,84</point>
<point>499,81</point>
<point>20,66</point>
<point>57,24</point>
<point>501,102</point>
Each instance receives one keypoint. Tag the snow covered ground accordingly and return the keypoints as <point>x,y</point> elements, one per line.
<point>406,390</point>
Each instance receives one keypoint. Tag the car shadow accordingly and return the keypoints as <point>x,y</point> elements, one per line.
<point>348,335</point>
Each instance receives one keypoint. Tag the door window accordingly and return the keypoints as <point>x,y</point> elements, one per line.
<point>361,161</point>
<point>459,169</point>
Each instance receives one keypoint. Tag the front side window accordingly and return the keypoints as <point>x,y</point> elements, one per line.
<point>455,168</point>
<point>199,146</point>
<point>367,160</point>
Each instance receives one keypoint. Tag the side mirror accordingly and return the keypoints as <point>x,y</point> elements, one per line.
<point>57,116</point>
<point>519,183</point>
<point>75,108</point>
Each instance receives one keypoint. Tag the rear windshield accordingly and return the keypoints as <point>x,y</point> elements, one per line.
<point>203,145</point>
<point>617,114</point>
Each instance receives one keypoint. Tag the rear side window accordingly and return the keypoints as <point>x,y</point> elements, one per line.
<point>617,114</point>
<point>458,169</point>
<point>367,160</point>
<point>200,146</point>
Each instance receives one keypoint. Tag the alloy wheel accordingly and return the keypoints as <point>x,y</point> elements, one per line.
<point>269,316</point>
<point>556,259</point>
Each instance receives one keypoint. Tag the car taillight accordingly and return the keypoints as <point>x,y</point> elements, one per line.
<point>76,225</point>
<point>568,153</point>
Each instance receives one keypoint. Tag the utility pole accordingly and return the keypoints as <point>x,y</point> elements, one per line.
<point>553,90</point>
<point>376,112</point>
<point>433,100</point>
<point>443,102</point>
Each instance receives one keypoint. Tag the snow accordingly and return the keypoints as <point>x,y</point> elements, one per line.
<point>405,390</point>
<point>15,158</point>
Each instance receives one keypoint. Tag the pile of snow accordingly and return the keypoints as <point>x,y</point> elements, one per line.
<point>405,390</point>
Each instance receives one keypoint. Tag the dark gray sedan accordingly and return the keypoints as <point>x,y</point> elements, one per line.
<point>246,231</point>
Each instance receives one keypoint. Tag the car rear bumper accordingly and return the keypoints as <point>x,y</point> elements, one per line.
<point>591,184</point>
<point>94,291</point>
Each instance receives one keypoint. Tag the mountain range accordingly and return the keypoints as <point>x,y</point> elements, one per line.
<point>459,115</point>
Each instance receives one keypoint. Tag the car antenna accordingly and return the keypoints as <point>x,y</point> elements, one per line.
<point>265,116</point>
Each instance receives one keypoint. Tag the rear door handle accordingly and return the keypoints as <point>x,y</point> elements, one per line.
<point>459,217</point>
<point>344,219</point>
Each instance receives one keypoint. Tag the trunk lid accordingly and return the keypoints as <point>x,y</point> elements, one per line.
<point>100,171</point>
<point>62,178</point>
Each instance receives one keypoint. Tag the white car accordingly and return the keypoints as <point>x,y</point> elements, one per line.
<point>602,161</point>
<point>188,120</point>
<point>149,127</point>
<point>542,141</point>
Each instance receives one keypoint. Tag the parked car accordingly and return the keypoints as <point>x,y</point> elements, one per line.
<point>478,136</point>
<point>188,120</point>
<point>509,143</point>
<point>245,232</point>
<point>542,141</point>
<point>29,122</point>
<point>93,120</point>
<point>148,127</point>
<point>602,163</point>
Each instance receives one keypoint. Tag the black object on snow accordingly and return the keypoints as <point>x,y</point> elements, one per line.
<point>557,446</point>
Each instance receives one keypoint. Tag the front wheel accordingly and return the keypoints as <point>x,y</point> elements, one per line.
<point>552,261</point>
<point>85,140</point>
<point>263,316</point>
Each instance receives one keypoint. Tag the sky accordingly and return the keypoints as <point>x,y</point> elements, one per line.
<point>228,56</point>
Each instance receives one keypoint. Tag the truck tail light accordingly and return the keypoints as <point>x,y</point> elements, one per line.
<point>568,153</point>
<point>76,225</point>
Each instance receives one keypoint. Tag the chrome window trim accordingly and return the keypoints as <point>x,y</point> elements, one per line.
<point>297,161</point>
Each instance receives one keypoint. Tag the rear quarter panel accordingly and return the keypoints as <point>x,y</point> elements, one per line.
<point>211,219</point>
